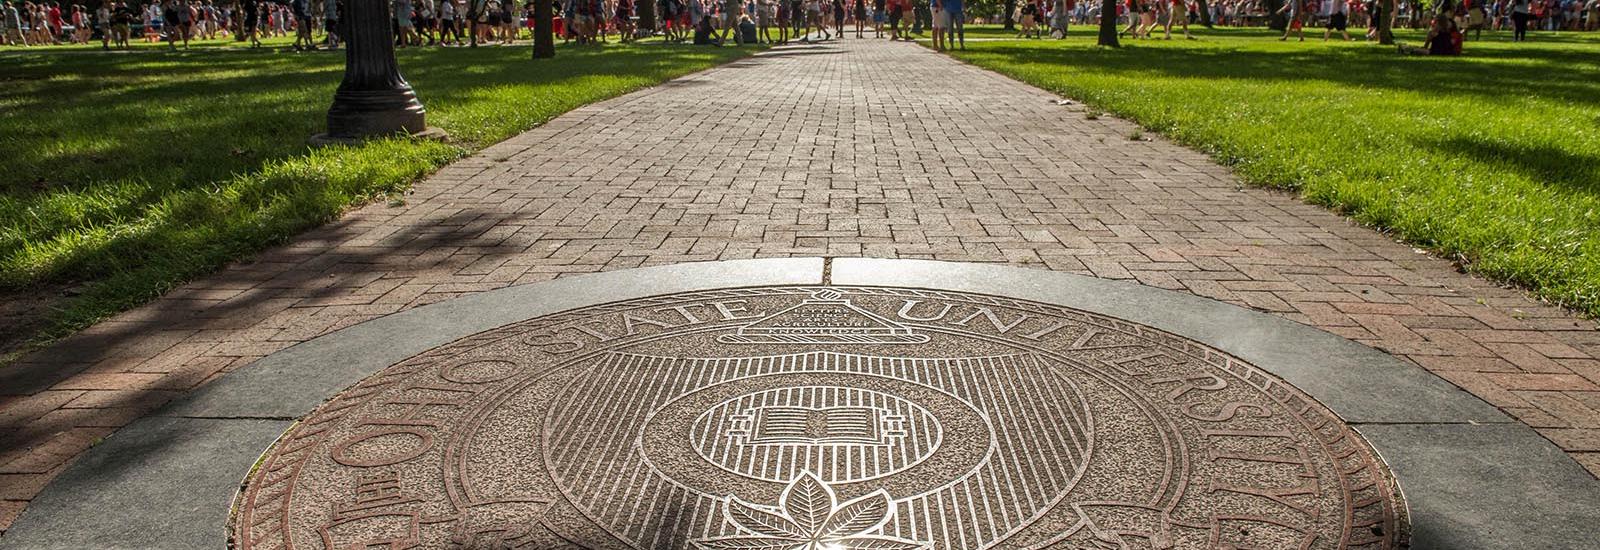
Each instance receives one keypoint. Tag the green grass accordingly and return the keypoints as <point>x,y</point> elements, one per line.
<point>1491,159</point>
<point>125,174</point>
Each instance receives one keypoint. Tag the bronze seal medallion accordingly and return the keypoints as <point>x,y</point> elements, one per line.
<point>821,418</point>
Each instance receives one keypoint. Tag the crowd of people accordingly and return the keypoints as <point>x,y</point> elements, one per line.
<point>114,23</point>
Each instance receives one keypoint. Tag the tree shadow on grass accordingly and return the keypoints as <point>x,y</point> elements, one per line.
<point>128,132</point>
<point>1540,162</point>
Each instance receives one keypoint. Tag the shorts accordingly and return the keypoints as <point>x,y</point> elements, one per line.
<point>1180,10</point>
<point>1337,22</point>
<point>331,25</point>
<point>941,19</point>
<point>877,16</point>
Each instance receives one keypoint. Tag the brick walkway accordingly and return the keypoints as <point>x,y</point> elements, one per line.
<point>858,149</point>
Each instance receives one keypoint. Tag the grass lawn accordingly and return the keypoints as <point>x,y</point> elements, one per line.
<point>1491,158</point>
<point>124,174</point>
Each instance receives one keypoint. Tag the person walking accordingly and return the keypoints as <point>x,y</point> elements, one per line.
<point>1296,25</point>
<point>403,21</point>
<point>860,17</point>
<point>102,23</point>
<point>1338,14</point>
<point>13,25</point>
<point>956,33</point>
<point>897,14</point>
<point>880,15</point>
<point>838,17</point>
<point>1521,12</point>
<point>252,22</point>
<point>302,25</point>
<point>1179,13</point>
<point>330,23</point>
<point>122,16</point>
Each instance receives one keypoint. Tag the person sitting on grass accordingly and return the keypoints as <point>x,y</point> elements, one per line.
<point>704,34</point>
<point>1443,38</point>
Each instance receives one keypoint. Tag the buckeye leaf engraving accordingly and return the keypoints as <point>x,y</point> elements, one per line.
<point>761,522</point>
<point>858,516</point>
<point>807,501</point>
<point>809,518</point>
<point>875,543</point>
<point>750,543</point>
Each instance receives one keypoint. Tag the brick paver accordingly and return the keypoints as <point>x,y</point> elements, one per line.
<point>857,149</point>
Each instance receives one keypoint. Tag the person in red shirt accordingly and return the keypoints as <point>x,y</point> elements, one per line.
<point>55,22</point>
<point>897,12</point>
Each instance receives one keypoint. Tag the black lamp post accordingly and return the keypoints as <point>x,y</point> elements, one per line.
<point>373,100</point>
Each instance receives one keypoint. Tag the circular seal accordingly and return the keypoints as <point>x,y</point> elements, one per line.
<point>820,418</point>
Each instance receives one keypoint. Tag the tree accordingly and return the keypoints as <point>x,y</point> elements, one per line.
<point>1108,23</point>
<point>1385,22</point>
<point>1010,8</point>
<point>1276,20</point>
<point>544,40</point>
<point>1205,13</point>
<point>647,14</point>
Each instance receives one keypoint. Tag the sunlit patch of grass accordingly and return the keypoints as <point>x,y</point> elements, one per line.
<point>126,174</point>
<point>1491,158</point>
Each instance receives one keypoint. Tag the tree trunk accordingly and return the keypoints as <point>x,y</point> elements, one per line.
<point>1108,24</point>
<point>1010,7</point>
<point>1205,14</point>
<point>647,14</point>
<point>1275,20</point>
<point>544,40</point>
<point>1385,22</point>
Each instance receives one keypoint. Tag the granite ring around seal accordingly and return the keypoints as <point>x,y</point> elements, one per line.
<point>822,417</point>
<point>1472,477</point>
